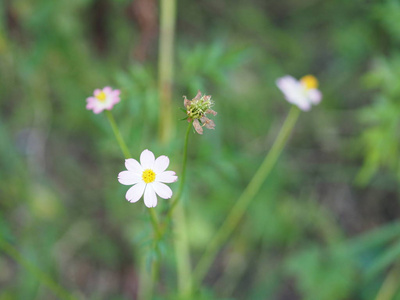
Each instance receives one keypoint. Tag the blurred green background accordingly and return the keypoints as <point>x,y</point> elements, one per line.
<point>324,225</point>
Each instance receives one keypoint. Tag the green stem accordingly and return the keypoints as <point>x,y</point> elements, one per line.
<point>248,194</point>
<point>182,253</point>
<point>183,176</point>
<point>166,66</point>
<point>181,243</point>
<point>42,277</point>
<point>156,224</point>
<point>118,135</point>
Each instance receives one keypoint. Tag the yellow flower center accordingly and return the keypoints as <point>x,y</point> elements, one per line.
<point>309,81</point>
<point>101,96</point>
<point>148,176</point>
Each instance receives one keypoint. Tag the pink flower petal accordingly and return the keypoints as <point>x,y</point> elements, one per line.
<point>197,126</point>
<point>150,198</point>
<point>129,178</point>
<point>107,90</point>
<point>135,192</point>
<point>115,100</point>
<point>147,159</point>
<point>162,190</point>
<point>96,92</point>
<point>167,177</point>
<point>198,95</point>
<point>161,164</point>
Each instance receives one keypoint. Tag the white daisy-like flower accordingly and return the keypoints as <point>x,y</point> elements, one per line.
<point>302,93</point>
<point>148,178</point>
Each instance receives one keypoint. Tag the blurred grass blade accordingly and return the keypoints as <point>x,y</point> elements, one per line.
<point>34,270</point>
<point>375,238</point>
<point>387,258</point>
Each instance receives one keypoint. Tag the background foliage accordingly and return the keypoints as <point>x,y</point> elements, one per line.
<point>324,225</point>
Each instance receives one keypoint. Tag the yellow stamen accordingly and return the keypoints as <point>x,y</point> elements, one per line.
<point>309,81</point>
<point>148,176</point>
<point>101,96</point>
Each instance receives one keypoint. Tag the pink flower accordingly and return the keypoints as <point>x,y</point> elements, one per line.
<point>303,93</point>
<point>103,99</point>
<point>148,178</point>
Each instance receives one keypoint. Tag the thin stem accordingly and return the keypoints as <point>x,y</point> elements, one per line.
<point>118,135</point>
<point>182,253</point>
<point>183,176</point>
<point>166,66</point>
<point>40,275</point>
<point>156,224</point>
<point>248,194</point>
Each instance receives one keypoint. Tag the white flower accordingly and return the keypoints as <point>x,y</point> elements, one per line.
<point>302,93</point>
<point>148,178</point>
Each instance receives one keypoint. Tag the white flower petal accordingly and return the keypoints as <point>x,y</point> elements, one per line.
<point>304,104</point>
<point>133,165</point>
<point>167,177</point>
<point>147,159</point>
<point>135,192</point>
<point>315,96</point>
<point>150,198</point>
<point>288,84</point>
<point>162,190</point>
<point>161,164</point>
<point>129,178</point>
<point>294,92</point>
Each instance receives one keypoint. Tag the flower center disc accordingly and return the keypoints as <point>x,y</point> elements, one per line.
<point>309,81</point>
<point>101,96</point>
<point>148,176</point>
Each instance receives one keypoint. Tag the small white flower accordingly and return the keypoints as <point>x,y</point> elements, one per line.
<point>148,178</point>
<point>302,93</point>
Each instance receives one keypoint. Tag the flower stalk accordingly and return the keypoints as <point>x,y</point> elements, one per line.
<point>183,176</point>
<point>118,135</point>
<point>240,207</point>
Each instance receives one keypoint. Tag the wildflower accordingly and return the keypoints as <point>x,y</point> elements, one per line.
<point>302,93</point>
<point>103,99</point>
<point>197,110</point>
<point>148,178</point>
